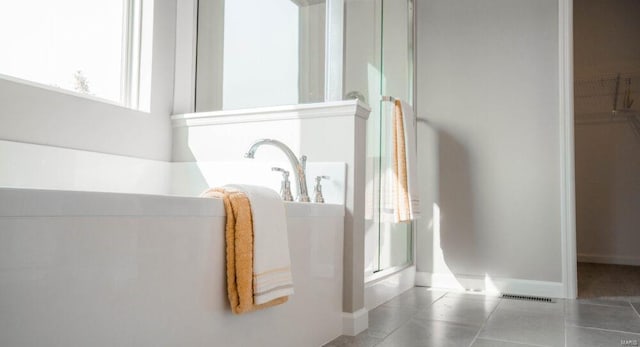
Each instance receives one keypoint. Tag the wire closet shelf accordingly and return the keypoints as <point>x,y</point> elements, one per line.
<point>609,98</point>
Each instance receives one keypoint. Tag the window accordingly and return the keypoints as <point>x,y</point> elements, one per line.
<point>272,54</point>
<point>100,48</point>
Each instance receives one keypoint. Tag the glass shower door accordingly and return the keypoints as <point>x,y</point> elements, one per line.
<point>380,65</point>
<point>395,239</point>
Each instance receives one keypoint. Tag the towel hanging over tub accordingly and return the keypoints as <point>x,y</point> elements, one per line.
<point>257,248</point>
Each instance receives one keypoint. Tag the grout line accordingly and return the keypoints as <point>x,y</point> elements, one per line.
<point>485,322</point>
<point>634,308</point>
<point>607,330</point>
<point>432,303</point>
<point>394,330</point>
<point>602,304</point>
<point>564,324</point>
<point>379,342</point>
<point>516,342</point>
<point>438,299</point>
<point>408,320</point>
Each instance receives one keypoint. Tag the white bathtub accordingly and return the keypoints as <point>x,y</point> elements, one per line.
<point>111,269</point>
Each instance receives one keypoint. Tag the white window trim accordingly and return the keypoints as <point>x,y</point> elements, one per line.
<point>131,53</point>
<point>184,91</point>
<point>186,41</point>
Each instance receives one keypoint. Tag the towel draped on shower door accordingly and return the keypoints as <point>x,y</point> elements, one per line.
<point>401,200</point>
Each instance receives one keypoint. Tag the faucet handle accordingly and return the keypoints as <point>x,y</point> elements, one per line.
<point>323,177</point>
<point>285,173</point>
<point>285,185</point>
<point>317,191</point>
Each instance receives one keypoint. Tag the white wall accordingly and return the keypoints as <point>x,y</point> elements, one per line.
<point>606,36</point>
<point>43,116</point>
<point>489,151</point>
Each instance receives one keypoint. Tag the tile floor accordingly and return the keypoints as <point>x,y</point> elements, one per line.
<point>425,317</point>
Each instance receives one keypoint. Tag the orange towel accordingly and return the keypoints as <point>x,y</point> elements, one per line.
<point>239,250</point>
<point>401,192</point>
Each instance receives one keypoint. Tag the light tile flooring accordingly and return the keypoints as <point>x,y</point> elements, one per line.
<point>425,317</point>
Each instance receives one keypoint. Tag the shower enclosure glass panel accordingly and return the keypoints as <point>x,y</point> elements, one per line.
<point>395,240</point>
<point>380,64</point>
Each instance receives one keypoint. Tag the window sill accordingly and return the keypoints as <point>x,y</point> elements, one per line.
<point>68,92</point>
<point>345,108</point>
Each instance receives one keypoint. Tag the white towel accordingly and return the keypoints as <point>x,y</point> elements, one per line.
<point>271,262</point>
<point>409,122</point>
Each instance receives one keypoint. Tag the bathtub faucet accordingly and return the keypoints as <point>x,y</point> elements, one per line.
<point>299,166</point>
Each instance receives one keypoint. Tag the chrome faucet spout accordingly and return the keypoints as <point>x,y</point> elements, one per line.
<point>299,166</point>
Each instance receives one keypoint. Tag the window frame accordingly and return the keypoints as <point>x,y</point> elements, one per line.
<point>131,62</point>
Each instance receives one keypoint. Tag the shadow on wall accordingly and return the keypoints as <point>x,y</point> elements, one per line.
<point>456,204</point>
<point>449,225</point>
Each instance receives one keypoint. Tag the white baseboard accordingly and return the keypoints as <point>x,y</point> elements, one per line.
<point>355,323</point>
<point>491,286</point>
<point>381,290</point>
<point>608,259</point>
